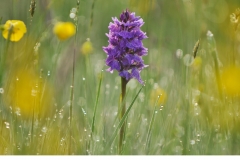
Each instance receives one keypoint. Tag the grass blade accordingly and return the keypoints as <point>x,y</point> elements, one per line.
<point>123,119</point>
<point>151,124</point>
<point>96,104</point>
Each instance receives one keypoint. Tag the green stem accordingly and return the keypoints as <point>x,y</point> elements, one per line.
<point>150,126</point>
<point>71,105</point>
<point>95,107</point>
<point>109,144</point>
<point>91,19</point>
<point>123,110</point>
<point>186,122</point>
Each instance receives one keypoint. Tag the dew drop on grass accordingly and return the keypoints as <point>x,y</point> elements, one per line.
<point>156,112</point>
<point>129,124</point>
<point>137,134</point>
<point>107,86</point>
<point>34,92</point>
<point>84,111</point>
<point>188,60</point>
<point>74,10</point>
<point>7,124</point>
<point>48,73</point>
<point>83,79</point>
<point>179,53</point>
<point>44,129</point>
<point>18,111</point>
<point>1,90</point>
<point>72,15</point>
<point>197,110</point>
<point>192,142</point>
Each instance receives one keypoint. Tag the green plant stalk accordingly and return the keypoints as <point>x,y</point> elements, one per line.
<point>95,107</point>
<point>71,105</point>
<point>186,122</point>
<point>123,110</point>
<point>72,87</point>
<point>213,51</point>
<point>217,72</point>
<point>3,56</point>
<point>91,19</point>
<point>32,127</point>
<point>150,126</point>
<point>2,66</point>
<point>110,142</point>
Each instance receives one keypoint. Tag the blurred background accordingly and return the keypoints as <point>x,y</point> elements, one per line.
<point>173,28</point>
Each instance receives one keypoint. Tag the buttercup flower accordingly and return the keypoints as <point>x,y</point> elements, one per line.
<point>64,30</point>
<point>14,27</point>
<point>24,96</point>
<point>87,47</point>
<point>230,80</point>
<point>143,6</point>
<point>125,49</point>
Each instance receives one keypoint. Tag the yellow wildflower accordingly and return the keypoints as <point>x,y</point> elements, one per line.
<point>14,27</point>
<point>87,47</point>
<point>64,30</point>
<point>28,94</point>
<point>143,6</point>
<point>154,95</point>
<point>231,80</point>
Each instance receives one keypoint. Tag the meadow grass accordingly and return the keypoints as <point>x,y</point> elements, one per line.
<point>58,99</point>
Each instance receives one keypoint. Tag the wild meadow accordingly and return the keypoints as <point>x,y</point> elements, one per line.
<point>129,77</point>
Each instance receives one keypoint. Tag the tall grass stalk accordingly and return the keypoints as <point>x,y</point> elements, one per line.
<point>91,17</point>
<point>71,105</point>
<point>186,120</point>
<point>122,121</point>
<point>214,53</point>
<point>72,86</point>
<point>148,140</point>
<point>95,108</point>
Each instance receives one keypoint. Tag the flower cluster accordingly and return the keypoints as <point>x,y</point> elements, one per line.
<point>125,49</point>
